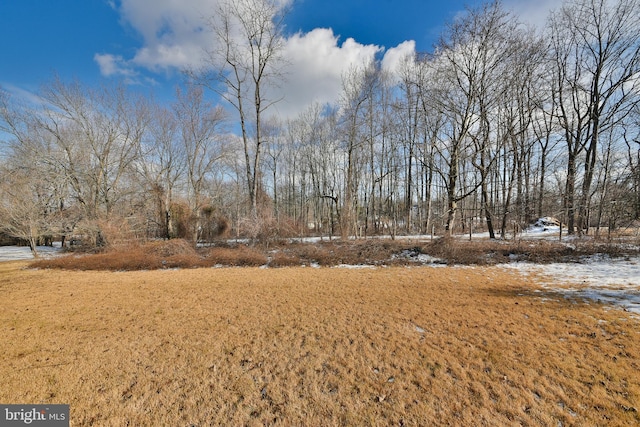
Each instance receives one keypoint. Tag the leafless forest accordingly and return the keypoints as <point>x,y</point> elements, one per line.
<point>499,125</point>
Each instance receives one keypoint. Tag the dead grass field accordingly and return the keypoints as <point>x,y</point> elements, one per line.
<point>302,346</point>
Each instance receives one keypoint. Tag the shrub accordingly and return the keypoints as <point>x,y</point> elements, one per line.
<point>284,259</point>
<point>455,251</point>
<point>168,248</point>
<point>319,253</point>
<point>114,261</point>
<point>181,254</point>
<point>150,256</point>
<point>238,256</point>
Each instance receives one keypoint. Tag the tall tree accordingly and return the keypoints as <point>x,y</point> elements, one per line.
<point>358,87</point>
<point>200,126</point>
<point>472,61</point>
<point>100,130</point>
<point>595,47</point>
<point>26,206</point>
<point>246,59</point>
<point>34,164</point>
<point>163,165</point>
<point>28,188</point>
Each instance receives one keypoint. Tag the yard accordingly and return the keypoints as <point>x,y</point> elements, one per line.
<point>424,345</point>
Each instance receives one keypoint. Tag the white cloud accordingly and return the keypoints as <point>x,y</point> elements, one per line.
<point>26,96</point>
<point>316,64</point>
<point>173,31</point>
<point>395,57</point>
<point>163,56</point>
<point>113,65</point>
<point>533,13</point>
<point>175,36</point>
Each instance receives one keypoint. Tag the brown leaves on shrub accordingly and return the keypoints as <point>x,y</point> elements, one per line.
<point>151,256</point>
<point>284,259</point>
<point>331,253</point>
<point>170,248</point>
<point>239,256</point>
<point>181,254</point>
<point>489,252</point>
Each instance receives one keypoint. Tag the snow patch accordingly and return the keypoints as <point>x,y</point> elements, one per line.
<point>417,257</point>
<point>595,278</point>
<point>355,267</point>
<point>20,253</point>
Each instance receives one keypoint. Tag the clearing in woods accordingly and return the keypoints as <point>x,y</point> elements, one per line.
<point>314,346</point>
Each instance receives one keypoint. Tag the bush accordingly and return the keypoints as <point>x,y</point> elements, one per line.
<point>181,254</point>
<point>240,256</point>
<point>454,251</point>
<point>169,248</point>
<point>284,259</point>
<point>150,256</point>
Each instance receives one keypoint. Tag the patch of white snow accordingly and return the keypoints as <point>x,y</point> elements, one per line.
<point>597,278</point>
<point>352,266</point>
<point>19,253</point>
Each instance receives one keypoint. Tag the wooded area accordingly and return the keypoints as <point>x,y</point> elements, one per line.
<point>499,125</point>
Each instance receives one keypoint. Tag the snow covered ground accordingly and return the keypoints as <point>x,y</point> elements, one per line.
<point>16,253</point>
<point>596,278</point>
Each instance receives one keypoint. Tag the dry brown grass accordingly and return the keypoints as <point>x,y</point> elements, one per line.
<point>302,346</point>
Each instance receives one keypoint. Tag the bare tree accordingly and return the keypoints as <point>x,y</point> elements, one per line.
<point>25,199</point>
<point>632,142</point>
<point>246,58</point>
<point>26,193</point>
<point>313,180</point>
<point>201,131</point>
<point>99,132</point>
<point>471,60</point>
<point>358,87</point>
<point>518,106</point>
<point>596,52</point>
<point>162,165</point>
<point>545,128</point>
<point>32,187</point>
<point>275,145</point>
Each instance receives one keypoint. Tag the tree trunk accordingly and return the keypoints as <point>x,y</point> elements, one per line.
<point>487,211</point>
<point>569,197</point>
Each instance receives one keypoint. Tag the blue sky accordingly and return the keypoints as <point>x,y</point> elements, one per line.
<point>382,22</point>
<point>147,42</point>
<point>39,37</point>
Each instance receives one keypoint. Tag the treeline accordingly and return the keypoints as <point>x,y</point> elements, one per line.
<point>501,124</point>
